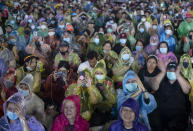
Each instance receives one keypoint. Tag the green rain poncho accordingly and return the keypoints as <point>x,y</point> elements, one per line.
<point>108,92</point>
<point>184,28</point>
<point>121,66</point>
<point>89,97</point>
<point>187,73</point>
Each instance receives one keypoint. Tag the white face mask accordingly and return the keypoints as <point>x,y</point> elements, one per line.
<point>43,27</point>
<point>96,40</point>
<point>51,33</point>
<point>33,27</point>
<point>61,26</point>
<point>168,32</point>
<point>163,50</point>
<point>143,19</point>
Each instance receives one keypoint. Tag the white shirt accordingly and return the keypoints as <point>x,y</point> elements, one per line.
<point>85,65</point>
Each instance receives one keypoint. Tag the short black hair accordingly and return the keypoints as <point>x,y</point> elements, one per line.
<point>91,55</point>
<point>107,42</point>
<point>64,64</point>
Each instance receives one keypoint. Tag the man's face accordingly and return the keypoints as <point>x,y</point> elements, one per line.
<point>92,62</point>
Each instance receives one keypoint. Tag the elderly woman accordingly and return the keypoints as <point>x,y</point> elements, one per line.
<point>87,91</point>
<point>133,88</point>
<point>186,70</point>
<point>128,117</point>
<point>70,119</point>
<point>151,48</point>
<point>15,118</point>
<point>30,66</point>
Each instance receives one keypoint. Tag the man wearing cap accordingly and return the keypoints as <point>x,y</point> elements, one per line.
<point>185,26</point>
<point>172,91</point>
<point>65,54</point>
<point>122,43</point>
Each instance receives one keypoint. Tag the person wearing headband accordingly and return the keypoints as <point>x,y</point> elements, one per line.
<point>30,64</point>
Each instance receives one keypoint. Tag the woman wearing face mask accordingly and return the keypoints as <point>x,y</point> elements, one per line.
<point>7,87</point>
<point>168,37</point>
<point>109,56</point>
<point>151,48</point>
<point>43,31</point>
<point>96,44</point>
<point>52,39</point>
<point>133,88</point>
<point>142,34</point>
<point>30,66</point>
<point>89,94</point>
<point>34,105</point>
<point>124,63</point>
<point>109,34</point>
<point>139,55</point>
<point>123,42</point>
<point>15,117</point>
<point>106,88</point>
<point>154,28</point>
<point>60,29</point>
<point>164,53</point>
<point>186,70</point>
<point>70,119</point>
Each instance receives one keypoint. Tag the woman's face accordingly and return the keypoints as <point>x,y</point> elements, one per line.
<point>139,43</point>
<point>32,64</point>
<point>127,115</point>
<point>11,107</point>
<point>69,110</point>
<point>107,47</point>
<point>24,87</point>
<point>163,45</point>
<point>151,64</point>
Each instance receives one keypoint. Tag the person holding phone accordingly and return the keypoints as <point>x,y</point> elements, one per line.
<point>87,91</point>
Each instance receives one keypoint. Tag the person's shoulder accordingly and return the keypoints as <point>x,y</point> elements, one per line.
<point>115,125</point>
<point>142,127</point>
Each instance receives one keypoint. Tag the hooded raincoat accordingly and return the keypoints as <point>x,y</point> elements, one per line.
<point>152,47</point>
<point>33,124</point>
<point>89,97</point>
<point>184,28</point>
<point>145,108</point>
<point>118,125</point>
<point>121,67</point>
<point>34,105</point>
<point>62,122</point>
<point>108,93</point>
<point>187,73</point>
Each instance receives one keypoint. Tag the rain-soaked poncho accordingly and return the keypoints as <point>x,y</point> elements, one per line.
<point>61,121</point>
<point>33,124</point>
<point>109,95</point>
<point>151,48</point>
<point>118,125</point>
<point>187,73</point>
<point>184,28</point>
<point>145,109</point>
<point>89,96</point>
<point>120,67</point>
<point>34,105</point>
<point>20,73</point>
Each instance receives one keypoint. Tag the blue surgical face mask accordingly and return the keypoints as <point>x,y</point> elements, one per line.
<point>105,51</point>
<point>154,27</point>
<point>29,68</point>
<point>171,76</point>
<point>123,41</point>
<point>141,30</point>
<point>96,41</point>
<point>163,50</point>
<point>99,77</point>
<point>138,48</point>
<point>109,30</point>
<point>66,39</point>
<point>131,87</point>
<point>12,115</point>
<point>23,92</point>
<point>125,57</point>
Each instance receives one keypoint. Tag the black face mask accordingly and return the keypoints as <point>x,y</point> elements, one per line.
<point>63,53</point>
<point>190,37</point>
<point>185,64</point>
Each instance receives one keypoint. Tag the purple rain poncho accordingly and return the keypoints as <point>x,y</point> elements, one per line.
<point>33,124</point>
